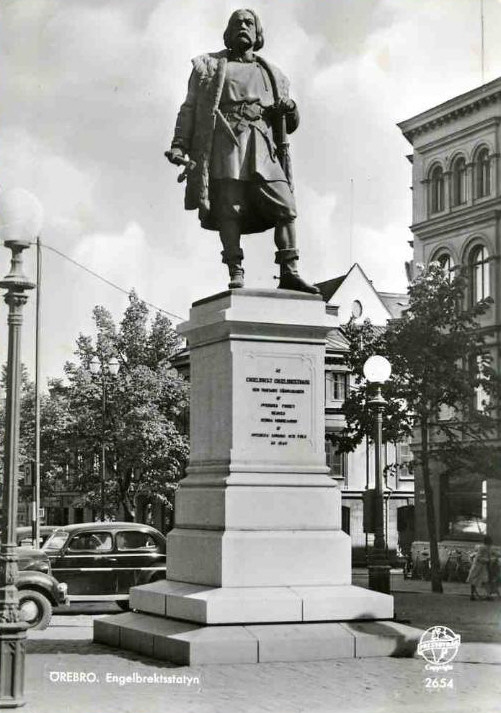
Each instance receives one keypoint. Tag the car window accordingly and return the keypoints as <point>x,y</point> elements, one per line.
<point>134,540</point>
<point>91,542</point>
<point>55,541</point>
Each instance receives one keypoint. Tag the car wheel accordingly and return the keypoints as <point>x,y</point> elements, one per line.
<point>35,609</point>
<point>123,604</point>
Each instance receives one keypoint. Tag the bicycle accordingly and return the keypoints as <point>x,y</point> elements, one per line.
<point>456,567</point>
<point>422,567</point>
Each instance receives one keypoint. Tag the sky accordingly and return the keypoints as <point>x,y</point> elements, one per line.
<point>90,92</point>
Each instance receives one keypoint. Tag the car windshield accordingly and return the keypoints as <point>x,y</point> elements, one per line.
<point>55,541</point>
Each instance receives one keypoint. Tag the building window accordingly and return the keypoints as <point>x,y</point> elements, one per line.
<point>481,399</point>
<point>446,412</point>
<point>479,274</point>
<point>464,499</point>
<point>78,515</point>
<point>404,460</point>
<point>447,264</point>
<point>437,190</point>
<point>356,309</point>
<point>459,182</point>
<point>336,462</point>
<point>335,386</point>
<point>483,173</point>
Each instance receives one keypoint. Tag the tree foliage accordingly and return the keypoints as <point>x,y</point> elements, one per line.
<point>144,411</point>
<point>441,364</point>
<point>143,428</point>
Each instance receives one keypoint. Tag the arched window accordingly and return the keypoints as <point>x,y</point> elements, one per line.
<point>437,190</point>
<point>483,173</point>
<point>479,273</point>
<point>459,181</point>
<point>447,264</point>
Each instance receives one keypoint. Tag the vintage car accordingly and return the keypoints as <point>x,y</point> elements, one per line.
<point>38,590</point>
<point>102,560</point>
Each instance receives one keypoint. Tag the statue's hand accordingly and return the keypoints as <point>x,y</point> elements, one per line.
<point>176,156</point>
<point>285,106</point>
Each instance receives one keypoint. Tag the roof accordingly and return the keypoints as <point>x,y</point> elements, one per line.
<point>337,341</point>
<point>448,111</point>
<point>394,302</point>
<point>330,287</point>
<point>84,526</point>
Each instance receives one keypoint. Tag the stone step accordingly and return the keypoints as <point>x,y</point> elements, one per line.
<point>190,644</point>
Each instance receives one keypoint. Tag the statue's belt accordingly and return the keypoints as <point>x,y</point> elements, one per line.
<point>240,114</point>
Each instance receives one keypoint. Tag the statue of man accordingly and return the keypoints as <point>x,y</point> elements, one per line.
<point>233,126</point>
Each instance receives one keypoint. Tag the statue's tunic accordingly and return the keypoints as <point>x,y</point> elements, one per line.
<point>226,125</point>
<point>242,148</point>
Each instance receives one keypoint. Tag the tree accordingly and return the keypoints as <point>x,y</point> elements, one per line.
<point>440,359</point>
<point>143,428</point>
<point>55,417</point>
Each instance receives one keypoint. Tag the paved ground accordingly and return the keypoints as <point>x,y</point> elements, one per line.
<point>345,686</point>
<point>475,621</point>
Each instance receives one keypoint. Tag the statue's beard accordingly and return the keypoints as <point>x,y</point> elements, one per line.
<point>242,42</point>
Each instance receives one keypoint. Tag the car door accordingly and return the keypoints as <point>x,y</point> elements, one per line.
<point>87,564</point>
<point>139,555</point>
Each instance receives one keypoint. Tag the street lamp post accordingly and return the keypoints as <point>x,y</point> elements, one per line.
<point>377,370</point>
<point>98,367</point>
<point>21,219</point>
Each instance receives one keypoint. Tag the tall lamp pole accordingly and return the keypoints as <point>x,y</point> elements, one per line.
<point>20,222</point>
<point>377,370</point>
<point>98,367</point>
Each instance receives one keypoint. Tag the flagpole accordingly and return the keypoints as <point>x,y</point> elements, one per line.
<point>37,396</point>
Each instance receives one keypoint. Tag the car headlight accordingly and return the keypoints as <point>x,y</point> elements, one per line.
<point>43,567</point>
<point>62,590</point>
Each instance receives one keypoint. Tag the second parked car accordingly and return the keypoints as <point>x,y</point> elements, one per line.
<point>102,560</point>
<point>39,592</point>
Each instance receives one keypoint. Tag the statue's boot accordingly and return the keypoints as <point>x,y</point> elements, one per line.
<point>289,276</point>
<point>234,261</point>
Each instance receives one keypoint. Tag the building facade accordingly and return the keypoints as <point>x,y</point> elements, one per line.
<point>353,297</point>
<point>456,220</point>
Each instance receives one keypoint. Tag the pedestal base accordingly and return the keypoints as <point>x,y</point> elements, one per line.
<point>249,605</point>
<point>257,554</point>
<point>190,644</point>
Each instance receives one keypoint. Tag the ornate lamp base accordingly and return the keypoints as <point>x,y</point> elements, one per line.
<point>12,650</point>
<point>379,577</point>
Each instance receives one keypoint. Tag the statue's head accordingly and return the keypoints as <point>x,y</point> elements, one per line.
<point>244,31</point>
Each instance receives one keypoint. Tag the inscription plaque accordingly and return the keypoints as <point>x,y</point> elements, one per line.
<point>277,393</point>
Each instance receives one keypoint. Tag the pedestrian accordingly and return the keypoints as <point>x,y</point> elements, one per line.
<point>484,570</point>
<point>494,573</point>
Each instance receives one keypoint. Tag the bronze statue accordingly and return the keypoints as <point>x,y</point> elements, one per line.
<point>233,126</point>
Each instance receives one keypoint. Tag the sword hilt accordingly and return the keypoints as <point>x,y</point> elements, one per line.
<point>188,164</point>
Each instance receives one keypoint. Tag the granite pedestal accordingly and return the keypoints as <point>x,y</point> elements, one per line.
<point>257,554</point>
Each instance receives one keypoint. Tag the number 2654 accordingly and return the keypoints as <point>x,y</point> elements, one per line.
<point>439,683</point>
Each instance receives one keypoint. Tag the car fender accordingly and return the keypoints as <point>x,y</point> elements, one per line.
<point>43,583</point>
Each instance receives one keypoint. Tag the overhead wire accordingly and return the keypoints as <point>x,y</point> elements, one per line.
<point>108,282</point>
